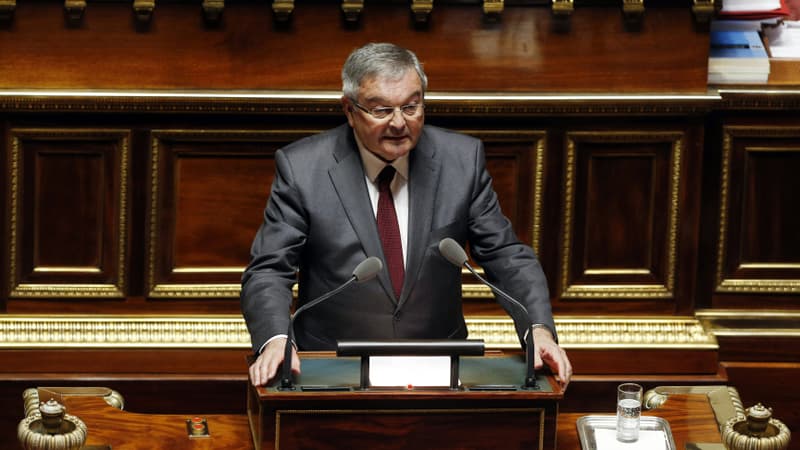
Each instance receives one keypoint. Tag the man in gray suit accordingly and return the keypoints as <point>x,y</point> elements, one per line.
<point>320,222</point>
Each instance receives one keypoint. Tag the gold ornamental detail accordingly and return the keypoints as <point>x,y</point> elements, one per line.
<point>230,332</point>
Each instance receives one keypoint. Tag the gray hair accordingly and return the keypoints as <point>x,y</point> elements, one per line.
<point>378,60</point>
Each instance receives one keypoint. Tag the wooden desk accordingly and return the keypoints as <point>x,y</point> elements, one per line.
<point>692,414</point>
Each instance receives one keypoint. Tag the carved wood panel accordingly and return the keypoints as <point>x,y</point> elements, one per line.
<point>515,160</point>
<point>207,195</point>
<point>621,211</point>
<point>68,212</point>
<point>758,249</point>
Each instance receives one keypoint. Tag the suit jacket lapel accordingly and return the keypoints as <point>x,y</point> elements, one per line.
<point>423,179</point>
<point>348,179</point>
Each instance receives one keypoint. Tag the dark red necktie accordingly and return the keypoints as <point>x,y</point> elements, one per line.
<point>389,230</point>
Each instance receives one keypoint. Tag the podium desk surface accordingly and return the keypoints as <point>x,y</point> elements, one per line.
<point>476,374</point>
<point>690,415</point>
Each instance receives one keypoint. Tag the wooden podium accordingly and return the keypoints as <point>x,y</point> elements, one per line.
<point>328,410</point>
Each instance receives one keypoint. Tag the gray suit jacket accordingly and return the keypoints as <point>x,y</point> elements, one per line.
<point>319,224</point>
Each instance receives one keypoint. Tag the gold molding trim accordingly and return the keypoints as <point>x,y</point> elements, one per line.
<point>751,323</point>
<point>230,332</point>
<point>74,10</point>
<point>493,8</point>
<point>633,10</point>
<point>703,10</point>
<point>328,102</point>
<point>654,291</point>
<point>143,10</point>
<point>109,331</point>
<point>748,285</point>
<point>17,289</point>
<point>421,10</point>
<point>282,9</point>
<point>563,8</point>
<point>7,8</point>
<point>352,10</point>
<point>212,10</point>
<point>758,99</point>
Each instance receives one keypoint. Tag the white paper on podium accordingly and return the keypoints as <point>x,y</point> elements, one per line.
<point>391,371</point>
<point>648,440</point>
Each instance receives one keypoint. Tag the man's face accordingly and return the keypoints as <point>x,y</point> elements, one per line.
<point>395,135</point>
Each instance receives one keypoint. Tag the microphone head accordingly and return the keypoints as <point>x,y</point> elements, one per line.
<point>367,269</point>
<point>452,252</point>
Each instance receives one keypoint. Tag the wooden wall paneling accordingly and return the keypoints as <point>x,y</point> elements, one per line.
<point>208,193</point>
<point>758,246</point>
<point>516,161</point>
<point>69,212</point>
<point>621,214</point>
<point>523,52</point>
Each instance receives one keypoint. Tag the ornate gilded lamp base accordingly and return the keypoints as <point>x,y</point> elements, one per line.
<point>50,428</point>
<point>756,431</point>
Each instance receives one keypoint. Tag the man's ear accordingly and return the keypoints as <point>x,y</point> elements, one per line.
<point>347,108</point>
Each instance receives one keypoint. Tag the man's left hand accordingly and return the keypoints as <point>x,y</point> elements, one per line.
<point>547,351</point>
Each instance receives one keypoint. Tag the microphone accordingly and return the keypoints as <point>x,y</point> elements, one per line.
<point>456,255</point>
<point>364,271</point>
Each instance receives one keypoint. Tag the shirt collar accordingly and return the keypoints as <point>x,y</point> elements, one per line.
<point>373,165</point>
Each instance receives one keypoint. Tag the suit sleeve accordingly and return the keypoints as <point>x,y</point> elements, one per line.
<point>509,264</point>
<point>267,281</point>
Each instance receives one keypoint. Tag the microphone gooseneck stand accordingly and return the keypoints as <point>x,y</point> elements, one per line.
<point>456,255</point>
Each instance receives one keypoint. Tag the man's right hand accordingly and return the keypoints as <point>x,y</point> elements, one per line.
<point>266,366</point>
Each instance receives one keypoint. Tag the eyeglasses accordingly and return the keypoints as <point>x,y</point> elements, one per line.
<point>382,112</point>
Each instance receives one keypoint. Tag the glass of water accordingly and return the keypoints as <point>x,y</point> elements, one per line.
<point>629,408</point>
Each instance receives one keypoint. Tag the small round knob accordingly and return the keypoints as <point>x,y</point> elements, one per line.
<point>52,416</point>
<point>758,418</point>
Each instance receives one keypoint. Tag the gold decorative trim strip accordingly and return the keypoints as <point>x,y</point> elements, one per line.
<point>74,10</point>
<point>725,283</point>
<point>421,10</point>
<point>704,10</point>
<point>230,331</point>
<point>563,8</point>
<point>751,323</point>
<point>212,10</point>
<point>195,290</point>
<point>759,99</point>
<point>282,9</point>
<point>123,332</point>
<point>143,10</point>
<point>654,291</point>
<point>492,8</point>
<point>7,8</point>
<point>328,102</point>
<point>352,9</point>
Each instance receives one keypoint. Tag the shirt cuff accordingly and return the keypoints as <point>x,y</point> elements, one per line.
<point>261,349</point>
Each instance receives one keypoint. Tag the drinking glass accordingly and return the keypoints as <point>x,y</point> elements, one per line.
<point>629,409</point>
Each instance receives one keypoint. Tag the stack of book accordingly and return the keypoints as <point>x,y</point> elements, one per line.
<point>737,56</point>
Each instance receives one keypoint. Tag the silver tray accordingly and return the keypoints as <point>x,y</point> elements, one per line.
<point>599,433</point>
